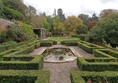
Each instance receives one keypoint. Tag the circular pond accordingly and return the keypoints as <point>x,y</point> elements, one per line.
<point>58,54</point>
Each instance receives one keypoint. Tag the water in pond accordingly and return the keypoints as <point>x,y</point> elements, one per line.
<point>58,54</point>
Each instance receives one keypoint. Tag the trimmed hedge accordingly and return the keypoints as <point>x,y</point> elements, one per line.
<point>88,47</point>
<point>22,63</point>
<point>7,46</point>
<point>23,48</point>
<point>105,53</point>
<point>94,77</point>
<point>69,42</point>
<point>48,43</point>
<point>100,65</point>
<point>24,76</point>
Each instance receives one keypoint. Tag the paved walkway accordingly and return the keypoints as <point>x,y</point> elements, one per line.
<point>60,72</point>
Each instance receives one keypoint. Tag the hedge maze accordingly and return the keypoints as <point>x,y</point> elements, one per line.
<point>99,69</point>
<point>16,66</point>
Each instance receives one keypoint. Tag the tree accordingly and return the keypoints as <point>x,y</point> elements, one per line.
<point>94,17</point>
<point>107,29</point>
<point>106,12</point>
<point>95,35</point>
<point>58,27</point>
<point>12,14</point>
<point>84,17</point>
<point>92,21</point>
<point>16,5</point>
<point>71,24</point>
<point>61,15</point>
<point>1,9</point>
<point>31,13</point>
<point>82,29</point>
<point>91,24</point>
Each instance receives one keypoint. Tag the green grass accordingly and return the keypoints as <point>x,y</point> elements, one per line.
<point>59,39</point>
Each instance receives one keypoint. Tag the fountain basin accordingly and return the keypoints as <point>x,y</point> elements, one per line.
<point>58,54</point>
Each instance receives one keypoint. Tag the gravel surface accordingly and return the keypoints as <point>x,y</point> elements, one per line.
<point>60,72</point>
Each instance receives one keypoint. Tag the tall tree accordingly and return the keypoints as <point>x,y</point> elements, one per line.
<point>61,15</point>
<point>31,13</point>
<point>106,29</point>
<point>58,27</point>
<point>94,17</point>
<point>106,12</point>
<point>71,24</point>
<point>84,17</point>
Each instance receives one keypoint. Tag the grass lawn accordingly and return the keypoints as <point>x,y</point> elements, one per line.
<point>58,39</point>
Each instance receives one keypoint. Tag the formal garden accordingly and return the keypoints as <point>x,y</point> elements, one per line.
<point>18,66</point>
<point>42,48</point>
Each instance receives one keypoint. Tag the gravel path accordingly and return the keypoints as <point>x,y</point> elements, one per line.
<point>60,72</point>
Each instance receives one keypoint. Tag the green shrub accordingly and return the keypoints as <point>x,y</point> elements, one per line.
<point>95,77</point>
<point>69,42</point>
<point>18,32</point>
<point>22,63</point>
<point>88,47</point>
<point>48,42</point>
<point>82,36</point>
<point>4,47</point>
<point>105,53</point>
<point>85,65</point>
<point>24,76</point>
<point>23,48</point>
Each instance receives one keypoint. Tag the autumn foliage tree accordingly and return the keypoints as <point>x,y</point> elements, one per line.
<point>58,27</point>
<point>106,12</point>
<point>91,23</point>
<point>71,24</point>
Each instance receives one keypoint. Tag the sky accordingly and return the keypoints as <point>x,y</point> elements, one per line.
<point>73,7</point>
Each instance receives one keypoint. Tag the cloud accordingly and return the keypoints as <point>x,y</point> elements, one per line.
<point>73,7</point>
<point>107,1</point>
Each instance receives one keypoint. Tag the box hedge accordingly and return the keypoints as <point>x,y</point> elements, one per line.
<point>94,77</point>
<point>22,63</point>
<point>48,42</point>
<point>7,46</point>
<point>22,49</point>
<point>101,65</point>
<point>69,42</point>
<point>24,76</point>
<point>106,53</point>
<point>88,47</point>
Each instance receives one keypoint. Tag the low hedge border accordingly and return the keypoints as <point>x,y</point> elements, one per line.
<point>88,47</point>
<point>85,65</point>
<point>83,77</point>
<point>105,53</point>
<point>24,76</point>
<point>69,42</point>
<point>7,46</point>
<point>21,63</point>
<point>22,49</point>
<point>48,43</point>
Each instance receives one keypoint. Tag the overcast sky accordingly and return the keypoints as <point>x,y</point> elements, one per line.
<point>73,7</point>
